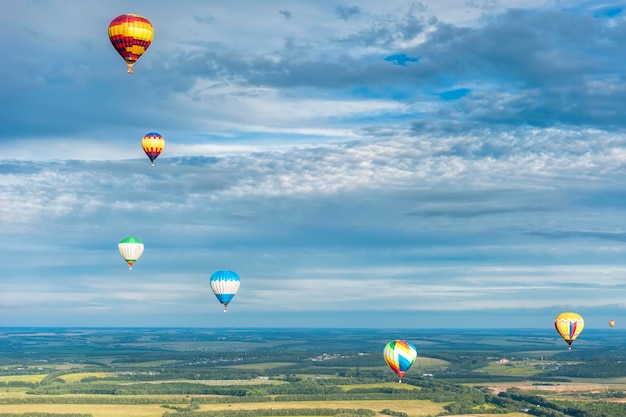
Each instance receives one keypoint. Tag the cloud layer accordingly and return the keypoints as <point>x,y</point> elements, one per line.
<point>354,161</point>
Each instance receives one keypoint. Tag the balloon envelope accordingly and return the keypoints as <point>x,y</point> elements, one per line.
<point>400,355</point>
<point>569,325</point>
<point>225,285</point>
<point>612,323</point>
<point>131,249</point>
<point>130,35</point>
<point>153,144</point>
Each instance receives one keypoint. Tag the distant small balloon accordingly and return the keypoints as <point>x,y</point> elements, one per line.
<point>612,323</point>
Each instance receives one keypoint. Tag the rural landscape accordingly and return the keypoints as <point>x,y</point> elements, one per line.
<point>396,196</point>
<point>137,372</point>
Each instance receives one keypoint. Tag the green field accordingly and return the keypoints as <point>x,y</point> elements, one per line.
<point>78,376</point>
<point>36,378</point>
<point>265,365</point>
<point>426,362</point>
<point>394,385</point>
<point>130,373</point>
<point>512,369</point>
<point>411,408</point>
<point>96,410</point>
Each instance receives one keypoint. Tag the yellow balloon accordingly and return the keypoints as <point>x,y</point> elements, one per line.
<point>612,323</point>
<point>569,325</point>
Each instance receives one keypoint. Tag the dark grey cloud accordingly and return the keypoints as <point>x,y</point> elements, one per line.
<point>499,202</point>
<point>608,11</point>
<point>579,234</point>
<point>585,104</point>
<point>207,20</point>
<point>347,12</point>
<point>533,67</point>
<point>530,48</point>
<point>401,59</point>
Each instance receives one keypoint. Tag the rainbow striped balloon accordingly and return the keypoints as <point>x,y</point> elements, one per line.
<point>130,35</point>
<point>569,325</point>
<point>400,355</point>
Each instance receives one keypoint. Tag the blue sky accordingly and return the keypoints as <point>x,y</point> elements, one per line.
<point>359,164</point>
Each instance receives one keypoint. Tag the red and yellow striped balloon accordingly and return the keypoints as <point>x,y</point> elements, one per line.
<point>153,144</point>
<point>131,35</point>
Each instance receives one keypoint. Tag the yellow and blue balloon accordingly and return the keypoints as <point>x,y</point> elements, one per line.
<point>569,325</point>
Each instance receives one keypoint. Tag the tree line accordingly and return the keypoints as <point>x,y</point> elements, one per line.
<point>339,412</point>
<point>542,407</point>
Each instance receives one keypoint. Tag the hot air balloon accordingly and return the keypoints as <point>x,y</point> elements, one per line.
<point>400,355</point>
<point>225,285</point>
<point>612,323</point>
<point>153,144</point>
<point>569,325</point>
<point>131,249</point>
<point>131,35</point>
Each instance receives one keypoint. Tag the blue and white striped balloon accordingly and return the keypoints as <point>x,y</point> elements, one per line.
<point>225,285</point>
